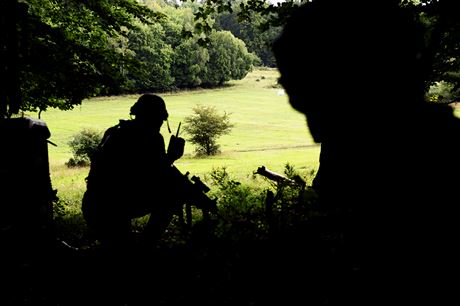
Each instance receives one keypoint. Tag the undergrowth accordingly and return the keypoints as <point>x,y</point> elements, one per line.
<point>245,211</point>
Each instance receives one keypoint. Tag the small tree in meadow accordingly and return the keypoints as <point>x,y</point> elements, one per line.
<point>205,126</point>
<point>83,144</point>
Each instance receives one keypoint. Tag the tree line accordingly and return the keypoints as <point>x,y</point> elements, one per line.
<point>169,60</point>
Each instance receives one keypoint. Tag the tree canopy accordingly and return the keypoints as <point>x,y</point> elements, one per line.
<point>55,53</point>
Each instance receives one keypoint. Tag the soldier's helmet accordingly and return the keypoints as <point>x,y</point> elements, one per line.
<point>150,105</point>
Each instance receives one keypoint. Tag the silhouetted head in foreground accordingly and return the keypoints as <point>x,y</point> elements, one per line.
<point>351,58</point>
<point>356,69</point>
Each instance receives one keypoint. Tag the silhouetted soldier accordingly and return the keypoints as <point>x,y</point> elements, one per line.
<point>131,176</point>
<point>356,69</point>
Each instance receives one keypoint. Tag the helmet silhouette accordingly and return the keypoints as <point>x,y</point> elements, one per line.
<point>150,105</point>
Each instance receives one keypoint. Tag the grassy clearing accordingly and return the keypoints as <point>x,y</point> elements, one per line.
<point>267,131</point>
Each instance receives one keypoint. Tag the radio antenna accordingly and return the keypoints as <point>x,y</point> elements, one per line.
<point>178,128</point>
<point>167,123</point>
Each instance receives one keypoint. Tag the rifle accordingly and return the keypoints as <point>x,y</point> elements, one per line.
<point>194,193</point>
<point>194,189</point>
<point>280,179</point>
<point>273,176</point>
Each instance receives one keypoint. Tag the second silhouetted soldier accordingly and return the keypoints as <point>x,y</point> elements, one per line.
<point>357,70</point>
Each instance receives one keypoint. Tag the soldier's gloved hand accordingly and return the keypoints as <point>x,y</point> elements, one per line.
<point>175,148</point>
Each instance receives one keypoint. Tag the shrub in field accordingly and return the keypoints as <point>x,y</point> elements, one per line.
<point>205,126</point>
<point>83,144</point>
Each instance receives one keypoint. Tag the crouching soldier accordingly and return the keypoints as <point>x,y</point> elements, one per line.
<point>131,176</point>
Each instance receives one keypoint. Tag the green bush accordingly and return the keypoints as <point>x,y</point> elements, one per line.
<point>205,126</point>
<point>443,92</point>
<point>83,144</point>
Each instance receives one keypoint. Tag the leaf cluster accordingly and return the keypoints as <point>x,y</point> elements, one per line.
<point>442,41</point>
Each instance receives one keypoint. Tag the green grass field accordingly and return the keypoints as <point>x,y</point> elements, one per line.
<point>267,130</point>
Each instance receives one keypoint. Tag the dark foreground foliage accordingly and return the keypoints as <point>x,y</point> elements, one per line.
<point>278,250</point>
